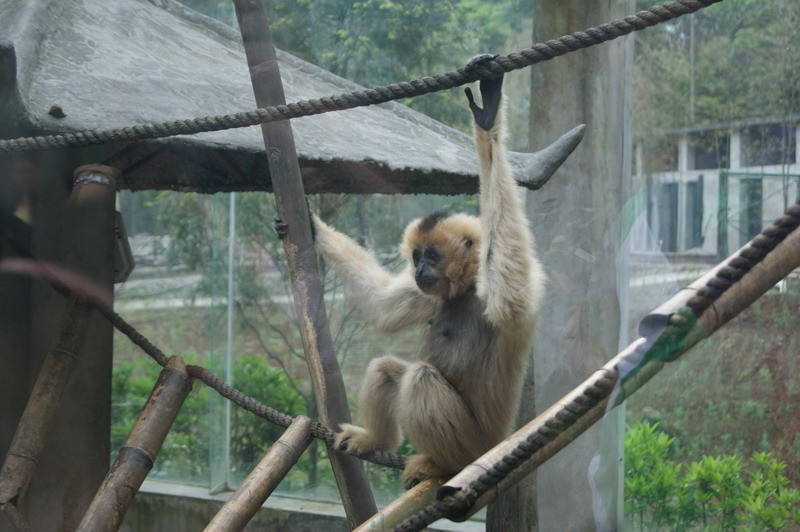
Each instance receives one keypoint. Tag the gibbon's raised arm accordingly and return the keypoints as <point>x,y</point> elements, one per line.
<point>392,302</point>
<point>510,280</point>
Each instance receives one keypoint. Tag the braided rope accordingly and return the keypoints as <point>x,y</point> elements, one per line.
<point>530,56</point>
<point>750,255</point>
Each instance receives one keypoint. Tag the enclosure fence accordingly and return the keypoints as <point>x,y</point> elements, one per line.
<point>665,334</point>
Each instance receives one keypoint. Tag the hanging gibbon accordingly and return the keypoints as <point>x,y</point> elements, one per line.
<point>476,286</point>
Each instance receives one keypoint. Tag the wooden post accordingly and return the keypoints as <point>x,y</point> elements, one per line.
<point>263,479</point>
<point>43,403</point>
<point>137,455</point>
<point>326,376</point>
<point>71,231</point>
<point>577,238</point>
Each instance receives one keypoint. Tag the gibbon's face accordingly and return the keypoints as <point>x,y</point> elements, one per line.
<point>427,264</point>
<point>443,252</point>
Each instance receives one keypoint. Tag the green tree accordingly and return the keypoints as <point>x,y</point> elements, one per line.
<point>377,42</point>
<point>741,58</point>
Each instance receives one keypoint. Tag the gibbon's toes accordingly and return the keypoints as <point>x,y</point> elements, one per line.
<point>281,227</point>
<point>418,468</point>
<point>352,439</point>
<point>410,482</point>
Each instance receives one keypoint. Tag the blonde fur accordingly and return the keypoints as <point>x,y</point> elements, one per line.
<point>460,398</point>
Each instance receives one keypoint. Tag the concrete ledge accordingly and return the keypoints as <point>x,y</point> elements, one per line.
<point>178,507</point>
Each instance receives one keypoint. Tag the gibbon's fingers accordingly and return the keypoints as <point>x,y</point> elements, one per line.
<point>491,96</point>
<point>281,227</point>
<point>491,93</point>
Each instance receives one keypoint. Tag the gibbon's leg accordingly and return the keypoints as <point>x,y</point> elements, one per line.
<point>377,409</point>
<point>439,423</point>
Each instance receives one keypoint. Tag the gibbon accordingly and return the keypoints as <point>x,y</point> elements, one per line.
<point>476,285</point>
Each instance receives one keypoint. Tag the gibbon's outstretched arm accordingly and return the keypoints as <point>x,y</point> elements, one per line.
<point>392,301</point>
<point>510,280</point>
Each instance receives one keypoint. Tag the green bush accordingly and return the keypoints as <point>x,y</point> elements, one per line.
<point>714,493</point>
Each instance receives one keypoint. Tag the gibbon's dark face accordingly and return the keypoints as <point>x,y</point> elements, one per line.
<point>427,264</point>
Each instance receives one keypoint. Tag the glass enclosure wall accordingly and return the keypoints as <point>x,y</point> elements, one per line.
<point>713,441</point>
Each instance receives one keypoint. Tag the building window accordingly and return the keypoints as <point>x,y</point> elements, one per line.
<point>710,150</point>
<point>694,213</point>
<point>667,212</point>
<point>660,154</point>
<point>751,198</point>
<point>769,144</point>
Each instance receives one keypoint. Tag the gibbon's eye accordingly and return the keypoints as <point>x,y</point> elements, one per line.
<point>467,242</point>
<point>433,255</point>
<point>415,256</point>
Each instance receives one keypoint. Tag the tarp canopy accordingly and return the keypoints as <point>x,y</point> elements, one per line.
<point>116,63</point>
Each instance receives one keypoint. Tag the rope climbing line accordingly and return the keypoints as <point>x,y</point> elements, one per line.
<point>593,394</point>
<point>537,53</point>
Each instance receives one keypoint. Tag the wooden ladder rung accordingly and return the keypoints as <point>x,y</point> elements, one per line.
<point>264,478</point>
<point>137,455</point>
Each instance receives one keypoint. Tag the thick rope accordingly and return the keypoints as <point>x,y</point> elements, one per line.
<point>750,255</point>
<point>603,384</point>
<point>530,56</point>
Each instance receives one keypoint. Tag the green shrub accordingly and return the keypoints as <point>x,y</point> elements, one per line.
<point>714,493</point>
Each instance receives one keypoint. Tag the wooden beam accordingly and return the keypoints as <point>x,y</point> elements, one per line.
<point>307,290</point>
<point>263,479</point>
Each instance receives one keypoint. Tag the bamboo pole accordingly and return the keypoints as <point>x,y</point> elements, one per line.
<point>43,403</point>
<point>287,184</point>
<point>264,478</point>
<point>137,455</point>
<point>400,509</point>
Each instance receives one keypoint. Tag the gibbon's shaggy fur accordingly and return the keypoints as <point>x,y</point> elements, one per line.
<point>476,285</point>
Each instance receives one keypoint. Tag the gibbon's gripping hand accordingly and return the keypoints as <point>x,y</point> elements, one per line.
<point>491,94</point>
<point>282,228</point>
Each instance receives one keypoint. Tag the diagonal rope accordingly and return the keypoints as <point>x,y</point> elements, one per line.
<point>537,53</point>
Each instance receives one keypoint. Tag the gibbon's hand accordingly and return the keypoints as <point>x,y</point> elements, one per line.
<point>282,228</point>
<point>491,94</point>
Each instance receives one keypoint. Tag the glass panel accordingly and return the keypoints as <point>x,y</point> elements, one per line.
<point>771,144</point>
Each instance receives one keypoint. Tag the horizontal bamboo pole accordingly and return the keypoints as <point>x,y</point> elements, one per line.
<point>137,455</point>
<point>43,403</point>
<point>409,503</point>
<point>263,479</point>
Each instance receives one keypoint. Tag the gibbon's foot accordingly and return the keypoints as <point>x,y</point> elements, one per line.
<point>353,439</point>
<point>491,94</point>
<point>418,468</point>
<point>281,227</point>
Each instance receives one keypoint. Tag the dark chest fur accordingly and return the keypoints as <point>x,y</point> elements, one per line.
<point>459,340</point>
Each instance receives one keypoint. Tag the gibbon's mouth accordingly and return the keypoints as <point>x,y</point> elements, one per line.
<point>426,283</point>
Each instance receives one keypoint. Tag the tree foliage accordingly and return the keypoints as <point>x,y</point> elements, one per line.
<point>377,42</point>
<point>741,57</point>
<point>713,493</point>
